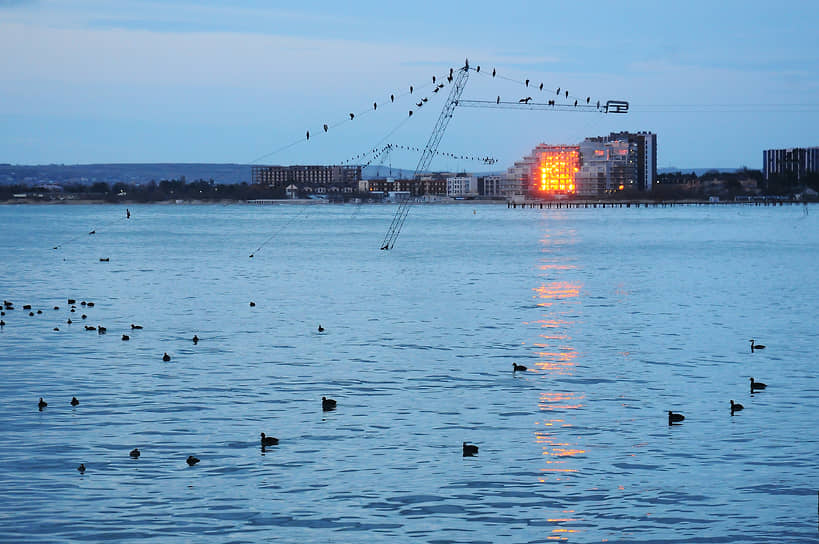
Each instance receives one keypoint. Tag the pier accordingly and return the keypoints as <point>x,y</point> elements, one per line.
<point>557,204</point>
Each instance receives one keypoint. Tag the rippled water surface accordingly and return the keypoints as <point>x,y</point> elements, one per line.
<point>619,314</point>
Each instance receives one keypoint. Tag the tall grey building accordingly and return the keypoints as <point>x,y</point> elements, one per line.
<point>644,156</point>
<point>794,162</point>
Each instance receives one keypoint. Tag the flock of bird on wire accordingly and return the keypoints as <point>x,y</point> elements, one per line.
<point>438,83</point>
<point>677,418</point>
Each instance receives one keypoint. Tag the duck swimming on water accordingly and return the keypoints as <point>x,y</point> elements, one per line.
<point>736,407</point>
<point>755,346</point>
<point>757,386</point>
<point>674,418</point>
<point>518,368</point>
<point>470,450</point>
<point>327,404</point>
<point>269,440</point>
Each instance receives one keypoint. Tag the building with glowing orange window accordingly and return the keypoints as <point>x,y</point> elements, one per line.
<point>547,172</point>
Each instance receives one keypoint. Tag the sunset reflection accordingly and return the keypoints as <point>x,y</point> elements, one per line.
<point>558,301</point>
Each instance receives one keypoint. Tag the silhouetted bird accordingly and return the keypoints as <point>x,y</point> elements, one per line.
<point>104,259</point>
<point>320,328</point>
<point>392,98</point>
<point>433,80</point>
<point>558,91</point>
<point>269,440</point>
<point>136,326</point>
<point>478,69</point>
<point>72,301</point>
<point>252,304</point>
<point>56,307</point>
<point>83,316</point>
<point>575,103</point>
<point>757,386</point>
<point>325,127</point>
<point>125,337</point>
<point>498,100</point>
<point>736,407</point>
<point>69,321</point>
<point>81,468</point>
<point>518,368</point>
<point>166,357</point>
<point>327,404</point>
<point>674,418</point>
<point>567,94</point>
<point>755,346</point>
<point>195,339</point>
<point>191,460</point>
<point>42,404</point>
<point>425,99</point>
<point>2,323</point>
<point>410,89</point>
<point>74,401</point>
<point>92,232</point>
<point>588,98</point>
<point>90,328</point>
<point>493,72</point>
<point>375,105</point>
<point>134,453</point>
<point>56,328</point>
<point>101,330</point>
<point>598,104</point>
<point>308,134</point>
<point>419,104</point>
<point>527,82</point>
<point>470,450</point>
<point>410,113</point>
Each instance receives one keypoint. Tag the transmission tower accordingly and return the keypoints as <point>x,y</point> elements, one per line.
<point>458,84</point>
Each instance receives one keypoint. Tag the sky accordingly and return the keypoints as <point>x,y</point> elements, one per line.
<point>94,81</point>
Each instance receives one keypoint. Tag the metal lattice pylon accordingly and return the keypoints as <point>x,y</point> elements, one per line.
<point>458,84</point>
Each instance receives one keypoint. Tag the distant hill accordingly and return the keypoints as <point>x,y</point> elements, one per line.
<point>126,173</point>
<point>698,171</point>
<point>138,173</point>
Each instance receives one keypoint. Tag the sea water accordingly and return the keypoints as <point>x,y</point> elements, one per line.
<point>619,314</point>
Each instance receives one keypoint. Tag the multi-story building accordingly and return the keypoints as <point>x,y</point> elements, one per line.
<point>312,176</point>
<point>546,172</point>
<point>491,186</point>
<point>461,186</point>
<point>794,163</point>
<point>606,167</point>
<point>644,156</point>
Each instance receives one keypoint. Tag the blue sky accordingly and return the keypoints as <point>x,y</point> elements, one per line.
<point>130,81</point>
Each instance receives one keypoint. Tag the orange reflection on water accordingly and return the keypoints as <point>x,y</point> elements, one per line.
<point>557,400</point>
